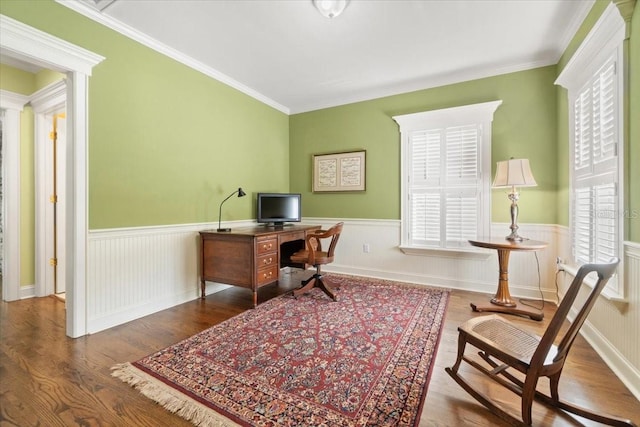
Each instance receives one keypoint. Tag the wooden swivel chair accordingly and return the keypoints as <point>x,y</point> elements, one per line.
<point>506,347</point>
<point>313,254</point>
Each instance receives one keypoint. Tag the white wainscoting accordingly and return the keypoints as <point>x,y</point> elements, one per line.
<point>138,271</point>
<point>134,272</point>
<point>475,272</point>
<point>613,327</point>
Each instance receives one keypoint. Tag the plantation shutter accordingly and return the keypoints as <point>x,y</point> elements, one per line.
<point>446,163</point>
<point>595,81</point>
<point>445,175</point>
<point>595,203</point>
<point>582,213</point>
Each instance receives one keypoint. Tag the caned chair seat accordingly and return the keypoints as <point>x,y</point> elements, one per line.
<point>515,344</point>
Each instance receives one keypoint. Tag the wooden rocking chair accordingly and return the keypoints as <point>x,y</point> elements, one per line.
<point>504,346</point>
<point>314,255</point>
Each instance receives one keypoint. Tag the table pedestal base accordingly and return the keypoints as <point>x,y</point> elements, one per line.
<point>502,302</point>
<point>521,311</point>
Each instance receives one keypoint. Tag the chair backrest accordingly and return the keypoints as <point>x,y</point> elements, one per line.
<point>604,272</point>
<point>335,231</point>
<point>314,243</point>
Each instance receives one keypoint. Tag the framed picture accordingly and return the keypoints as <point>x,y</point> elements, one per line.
<point>339,171</point>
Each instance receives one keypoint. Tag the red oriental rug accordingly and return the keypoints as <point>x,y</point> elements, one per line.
<point>365,360</point>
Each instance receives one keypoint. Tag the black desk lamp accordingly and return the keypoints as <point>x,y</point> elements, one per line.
<point>240,194</point>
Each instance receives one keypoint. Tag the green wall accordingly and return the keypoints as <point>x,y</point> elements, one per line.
<point>24,83</point>
<point>17,81</point>
<point>524,126</point>
<point>166,143</point>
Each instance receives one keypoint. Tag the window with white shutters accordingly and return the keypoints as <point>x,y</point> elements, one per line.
<point>595,83</point>
<point>595,205</point>
<point>446,167</point>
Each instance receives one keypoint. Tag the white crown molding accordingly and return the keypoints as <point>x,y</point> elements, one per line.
<point>582,10</point>
<point>91,13</point>
<point>604,37</point>
<point>12,100</point>
<point>482,112</point>
<point>49,97</point>
<point>44,49</point>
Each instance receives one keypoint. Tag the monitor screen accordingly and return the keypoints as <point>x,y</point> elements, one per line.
<point>278,208</point>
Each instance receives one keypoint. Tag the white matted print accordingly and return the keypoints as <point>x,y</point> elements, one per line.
<point>339,171</point>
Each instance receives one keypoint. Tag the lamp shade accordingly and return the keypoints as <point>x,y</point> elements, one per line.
<point>514,173</point>
<point>330,8</point>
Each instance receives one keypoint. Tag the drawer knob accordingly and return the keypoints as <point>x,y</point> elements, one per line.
<point>267,261</point>
<point>268,275</point>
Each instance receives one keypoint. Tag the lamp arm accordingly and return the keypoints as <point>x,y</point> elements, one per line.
<point>220,210</point>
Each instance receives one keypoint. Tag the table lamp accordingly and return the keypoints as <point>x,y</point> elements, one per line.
<point>514,173</point>
<point>240,194</point>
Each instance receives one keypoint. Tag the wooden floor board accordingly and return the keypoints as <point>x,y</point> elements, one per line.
<point>49,379</point>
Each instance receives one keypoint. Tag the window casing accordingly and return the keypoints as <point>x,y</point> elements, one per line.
<point>595,81</point>
<point>446,168</point>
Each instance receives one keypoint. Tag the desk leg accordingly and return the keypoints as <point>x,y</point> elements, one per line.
<point>502,302</point>
<point>203,286</point>
<point>255,298</point>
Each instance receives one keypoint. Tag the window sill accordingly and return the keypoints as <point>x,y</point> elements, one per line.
<point>466,253</point>
<point>590,281</point>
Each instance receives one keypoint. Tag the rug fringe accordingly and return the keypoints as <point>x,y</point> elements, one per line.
<point>170,399</point>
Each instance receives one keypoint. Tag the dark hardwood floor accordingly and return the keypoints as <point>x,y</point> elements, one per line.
<point>47,379</point>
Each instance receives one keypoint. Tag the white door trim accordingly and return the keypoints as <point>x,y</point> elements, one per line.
<point>31,45</point>
<point>11,104</point>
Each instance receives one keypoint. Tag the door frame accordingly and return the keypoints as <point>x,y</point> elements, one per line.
<point>12,105</point>
<point>28,44</point>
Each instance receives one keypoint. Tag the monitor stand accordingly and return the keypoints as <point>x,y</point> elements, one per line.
<point>277,225</point>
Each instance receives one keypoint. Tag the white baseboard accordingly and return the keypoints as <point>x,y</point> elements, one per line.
<point>28,291</point>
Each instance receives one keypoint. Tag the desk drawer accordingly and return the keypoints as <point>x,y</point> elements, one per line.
<point>267,275</point>
<point>267,260</point>
<point>267,245</point>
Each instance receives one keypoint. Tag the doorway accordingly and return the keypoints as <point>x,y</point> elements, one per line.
<point>32,45</point>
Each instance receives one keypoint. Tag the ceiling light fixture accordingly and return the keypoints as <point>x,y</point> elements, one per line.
<point>330,8</point>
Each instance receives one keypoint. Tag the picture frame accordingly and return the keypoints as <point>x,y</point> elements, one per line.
<point>336,172</point>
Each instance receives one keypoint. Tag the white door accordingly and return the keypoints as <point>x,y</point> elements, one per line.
<point>60,213</point>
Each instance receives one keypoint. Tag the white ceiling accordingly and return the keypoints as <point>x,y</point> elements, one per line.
<point>286,54</point>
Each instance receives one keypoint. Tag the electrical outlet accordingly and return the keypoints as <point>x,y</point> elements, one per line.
<point>366,248</point>
<point>559,264</point>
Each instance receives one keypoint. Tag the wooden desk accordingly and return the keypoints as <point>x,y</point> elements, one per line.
<point>502,302</point>
<point>250,257</point>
